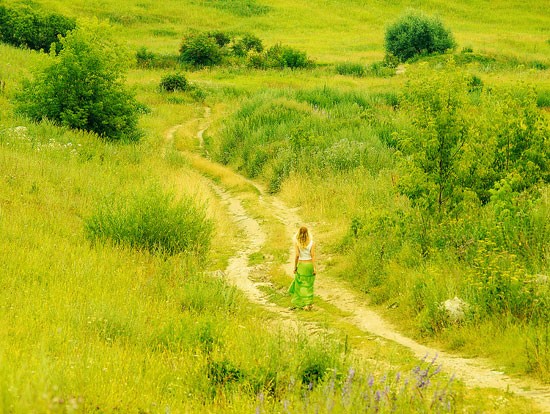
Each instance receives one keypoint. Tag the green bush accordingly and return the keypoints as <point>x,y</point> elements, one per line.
<point>279,56</point>
<point>222,39</point>
<point>415,34</point>
<point>174,82</point>
<point>23,27</point>
<point>83,89</point>
<point>152,221</point>
<point>246,44</point>
<point>200,49</point>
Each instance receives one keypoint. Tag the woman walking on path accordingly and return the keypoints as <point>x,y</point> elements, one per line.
<point>301,288</point>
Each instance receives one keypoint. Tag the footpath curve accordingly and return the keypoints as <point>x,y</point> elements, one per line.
<point>474,372</point>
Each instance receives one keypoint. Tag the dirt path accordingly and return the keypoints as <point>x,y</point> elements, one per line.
<point>473,372</point>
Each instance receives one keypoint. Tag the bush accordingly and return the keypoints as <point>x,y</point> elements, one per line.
<point>416,34</point>
<point>82,88</point>
<point>280,56</point>
<point>174,82</point>
<point>200,49</point>
<point>222,39</point>
<point>23,27</point>
<point>246,44</point>
<point>152,221</point>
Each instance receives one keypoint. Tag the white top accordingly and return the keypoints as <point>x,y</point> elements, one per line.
<point>305,252</point>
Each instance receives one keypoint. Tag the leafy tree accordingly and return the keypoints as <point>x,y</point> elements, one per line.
<point>433,149</point>
<point>416,34</point>
<point>83,88</point>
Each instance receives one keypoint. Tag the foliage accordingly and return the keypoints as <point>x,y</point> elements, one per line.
<point>280,56</point>
<point>314,132</point>
<point>24,27</point>
<point>219,48</point>
<point>416,34</point>
<point>246,44</point>
<point>82,87</point>
<point>174,82</point>
<point>152,221</point>
<point>200,49</point>
<point>498,285</point>
<point>434,148</point>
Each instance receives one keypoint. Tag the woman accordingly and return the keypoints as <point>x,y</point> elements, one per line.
<point>301,288</point>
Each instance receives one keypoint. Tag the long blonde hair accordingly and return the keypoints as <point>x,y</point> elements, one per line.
<point>303,237</point>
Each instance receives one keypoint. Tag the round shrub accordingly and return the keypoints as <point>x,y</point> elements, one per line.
<point>280,56</point>
<point>200,49</point>
<point>174,82</point>
<point>415,34</point>
<point>152,221</point>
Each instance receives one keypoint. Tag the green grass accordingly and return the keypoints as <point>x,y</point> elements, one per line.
<point>109,328</point>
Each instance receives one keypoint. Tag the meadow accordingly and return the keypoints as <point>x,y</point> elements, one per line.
<point>95,324</point>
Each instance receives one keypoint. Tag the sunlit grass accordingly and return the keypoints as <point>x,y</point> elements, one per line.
<point>109,328</point>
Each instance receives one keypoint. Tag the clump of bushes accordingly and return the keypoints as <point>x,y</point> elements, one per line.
<point>152,220</point>
<point>280,56</point>
<point>201,49</point>
<point>416,34</point>
<point>21,26</point>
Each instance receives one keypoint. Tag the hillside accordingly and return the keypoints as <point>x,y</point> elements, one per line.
<point>151,275</point>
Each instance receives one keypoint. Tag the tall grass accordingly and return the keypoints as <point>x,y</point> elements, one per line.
<point>106,327</point>
<point>152,221</point>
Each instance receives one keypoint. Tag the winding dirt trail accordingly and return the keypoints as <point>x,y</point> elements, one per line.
<point>474,372</point>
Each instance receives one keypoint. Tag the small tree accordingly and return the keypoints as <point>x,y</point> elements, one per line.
<point>416,34</point>
<point>200,49</point>
<point>82,87</point>
<point>434,148</point>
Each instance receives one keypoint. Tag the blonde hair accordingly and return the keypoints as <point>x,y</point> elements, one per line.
<point>302,237</point>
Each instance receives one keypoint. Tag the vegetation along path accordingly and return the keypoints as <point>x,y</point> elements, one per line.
<point>474,372</point>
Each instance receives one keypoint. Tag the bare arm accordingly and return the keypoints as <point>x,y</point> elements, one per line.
<point>296,257</point>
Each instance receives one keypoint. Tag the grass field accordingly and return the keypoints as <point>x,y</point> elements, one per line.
<point>98,327</point>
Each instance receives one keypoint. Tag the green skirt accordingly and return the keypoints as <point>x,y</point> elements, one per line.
<point>301,288</point>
